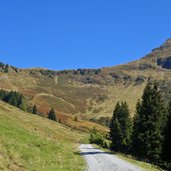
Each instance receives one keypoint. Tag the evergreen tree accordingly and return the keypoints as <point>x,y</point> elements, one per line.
<point>52,115</point>
<point>14,98</point>
<point>166,153</point>
<point>21,103</point>
<point>136,128</point>
<point>14,101</point>
<point>2,94</point>
<point>34,109</point>
<point>9,97</point>
<point>121,128</point>
<point>149,123</point>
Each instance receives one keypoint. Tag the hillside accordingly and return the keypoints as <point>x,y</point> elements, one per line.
<point>29,142</point>
<point>90,93</point>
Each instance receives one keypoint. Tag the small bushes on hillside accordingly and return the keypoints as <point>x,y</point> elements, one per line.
<point>48,72</point>
<point>88,71</point>
<point>5,68</point>
<point>15,69</point>
<point>105,121</point>
<point>98,138</point>
<point>95,137</point>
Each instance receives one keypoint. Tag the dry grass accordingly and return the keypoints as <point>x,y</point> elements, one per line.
<point>85,126</point>
<point>71,94</point>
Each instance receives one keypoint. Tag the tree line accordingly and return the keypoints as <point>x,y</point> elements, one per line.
<point>148,135</point>
<point>13,98</point>
<point>5,68</point>
<point>16,99</point>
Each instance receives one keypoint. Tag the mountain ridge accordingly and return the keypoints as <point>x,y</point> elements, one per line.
<point>90,93</point>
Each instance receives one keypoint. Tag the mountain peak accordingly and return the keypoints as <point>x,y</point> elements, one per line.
<point>167,43</point>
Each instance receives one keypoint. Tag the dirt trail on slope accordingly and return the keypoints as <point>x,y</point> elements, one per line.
<point>98,160</point>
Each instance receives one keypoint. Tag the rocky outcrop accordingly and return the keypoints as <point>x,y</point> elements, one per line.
<point>164,62</point>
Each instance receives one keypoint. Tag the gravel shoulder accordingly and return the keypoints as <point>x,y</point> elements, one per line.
<point>98,160</point>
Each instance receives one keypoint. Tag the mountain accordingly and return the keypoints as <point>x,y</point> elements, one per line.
<point>30,142</point>
<point>90,93</point>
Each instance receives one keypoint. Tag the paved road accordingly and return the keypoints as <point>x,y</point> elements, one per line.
<point>98,160</point>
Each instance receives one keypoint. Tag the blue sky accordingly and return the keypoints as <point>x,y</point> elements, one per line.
<point>70,34</point>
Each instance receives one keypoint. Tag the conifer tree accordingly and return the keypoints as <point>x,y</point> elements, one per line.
<point>121,128</point>
<point>14,98</point>
<point>14,101</point>
<point>149,124</point>
<point>136,129</point>
<point>166,152</point>
<point>21,102</point>
<point>10,97</point>
<point>52,115</point>
<point>34,109</point>
<point>2,94</point>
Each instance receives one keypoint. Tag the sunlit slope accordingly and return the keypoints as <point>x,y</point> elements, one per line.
<point>91,93</point>
<point>30,142</point>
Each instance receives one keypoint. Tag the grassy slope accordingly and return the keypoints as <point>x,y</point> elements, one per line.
<point>90,95</point>
<point>29,142</point>
<point>70,94</point>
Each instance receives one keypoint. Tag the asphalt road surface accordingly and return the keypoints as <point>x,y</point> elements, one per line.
<point>98,160</point>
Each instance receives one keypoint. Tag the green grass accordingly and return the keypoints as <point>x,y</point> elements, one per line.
<point>29,142</point>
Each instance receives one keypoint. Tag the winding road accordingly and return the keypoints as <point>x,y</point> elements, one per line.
<point>98,160</point>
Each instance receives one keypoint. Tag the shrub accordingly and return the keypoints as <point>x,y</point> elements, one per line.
<point>97,138</point>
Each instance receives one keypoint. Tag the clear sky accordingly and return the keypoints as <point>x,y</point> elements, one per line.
<point>70,34</point>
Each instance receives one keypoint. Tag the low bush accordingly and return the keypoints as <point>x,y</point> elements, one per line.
<point>99,139</point>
